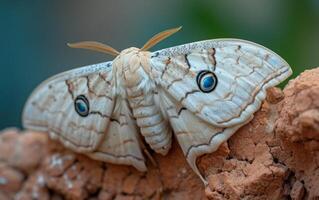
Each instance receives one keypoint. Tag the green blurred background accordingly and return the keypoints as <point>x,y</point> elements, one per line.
<point>34,34</point>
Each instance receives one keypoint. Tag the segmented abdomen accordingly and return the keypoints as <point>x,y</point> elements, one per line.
<point>152,124</point>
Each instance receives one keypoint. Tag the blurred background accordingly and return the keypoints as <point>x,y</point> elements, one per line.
<point>34,34</point>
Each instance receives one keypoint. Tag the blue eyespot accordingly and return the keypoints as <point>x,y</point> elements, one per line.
<point>81,105</point>
<point>206,81</point>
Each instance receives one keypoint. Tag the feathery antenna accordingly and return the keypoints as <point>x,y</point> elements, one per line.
<point>95,46</point>
<point>159,37</point>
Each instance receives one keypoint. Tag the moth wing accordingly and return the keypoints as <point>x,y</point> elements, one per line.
<point>121,143</point>
<point>107,133</point>
<point>244,71</point>
<point>51,107</point>
<point>202,121</point>
<point>195,136</point>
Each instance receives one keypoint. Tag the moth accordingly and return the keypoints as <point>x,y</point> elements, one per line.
<point>201,93</point>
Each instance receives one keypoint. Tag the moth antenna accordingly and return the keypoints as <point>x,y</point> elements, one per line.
<point>95,46</point>
<point>159,37</point>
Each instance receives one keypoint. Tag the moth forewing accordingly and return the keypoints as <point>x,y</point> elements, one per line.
<point>212,88</point>
<point>51,107</point>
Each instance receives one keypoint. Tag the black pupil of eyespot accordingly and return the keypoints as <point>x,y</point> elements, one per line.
<point>82,105</point>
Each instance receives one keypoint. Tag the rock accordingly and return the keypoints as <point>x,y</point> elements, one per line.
<point>22,151</point>
<point>75,176</point>
<point>297,191</point>
<point>299,116</point>
<point>275,156</point>
<point>4,196</point>
<point>34,188</point>
<point>104,195</point>
<point>297,128</point>
<point>274,95</point>
<point>244,166</point>
<point>10,179</point>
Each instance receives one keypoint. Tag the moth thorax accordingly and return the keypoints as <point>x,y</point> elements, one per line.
<point>133,70</point>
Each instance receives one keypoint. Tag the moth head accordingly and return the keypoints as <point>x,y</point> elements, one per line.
<point>97,46</point>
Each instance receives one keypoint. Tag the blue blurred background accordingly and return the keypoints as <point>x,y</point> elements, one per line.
<point>34,34</point>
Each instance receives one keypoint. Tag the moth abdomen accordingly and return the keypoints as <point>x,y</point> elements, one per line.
<point>153,126</point>
<point>156,132</point>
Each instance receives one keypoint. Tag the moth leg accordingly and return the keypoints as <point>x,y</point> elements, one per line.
<point>148,154</point>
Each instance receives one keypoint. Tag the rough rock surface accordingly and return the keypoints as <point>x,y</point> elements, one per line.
<point>275,156</point>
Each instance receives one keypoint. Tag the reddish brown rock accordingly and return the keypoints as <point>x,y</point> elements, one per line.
<point>299,117</point>
<point>298,130</point>
<point>297,191</point>
<point>274,95</point>
<point>34,188</point>
<point>22,151</point>
<point>10,179</point>
<point>74,176</point>
<point>275,156</point>
<point>244,167</point>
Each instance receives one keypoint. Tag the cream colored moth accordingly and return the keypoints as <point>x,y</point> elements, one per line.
<point>200,92</point>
